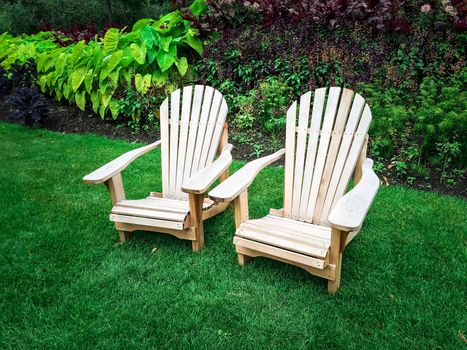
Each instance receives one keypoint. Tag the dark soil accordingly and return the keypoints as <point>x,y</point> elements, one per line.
<point>67,118</point>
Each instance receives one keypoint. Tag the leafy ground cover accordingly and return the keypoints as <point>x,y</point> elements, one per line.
<point>65,283</point>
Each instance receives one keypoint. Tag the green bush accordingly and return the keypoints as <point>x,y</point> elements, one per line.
<point>153,55</point>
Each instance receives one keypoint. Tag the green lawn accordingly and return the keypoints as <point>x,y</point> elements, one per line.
<point>64,283</point>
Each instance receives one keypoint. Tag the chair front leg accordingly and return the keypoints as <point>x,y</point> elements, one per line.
<point>240,209</point>
<point>338,239</point>
<point>117,193</point>
<point>196,217</point>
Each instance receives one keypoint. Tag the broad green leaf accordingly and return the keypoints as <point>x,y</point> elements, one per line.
<point>88,78</point>
<point>159,78</point>
<point>198,7</point>
<point>138,52</point>
<point>102,111</point>
<point>152,54</point>
<point>114,108</point>
<point>114,60</point>
<point>165,42</point>
<point>182,66</point>
<point>111,39</point>
<point>195,43</point>
<point>41,62</point>
<point>139,82</point>
<point>114,76</point>
<point>95,101</point>
<point>77,51</point>
<point>104,98</point>
<point>110,63</point>
<point>142,23</point>
<point>150,36</point>
<point>80,98</point>
<point>142,83</point>
<point>77,77</point>
<point>166,59</point>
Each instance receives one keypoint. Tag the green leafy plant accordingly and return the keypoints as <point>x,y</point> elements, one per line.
<point>154,54</point>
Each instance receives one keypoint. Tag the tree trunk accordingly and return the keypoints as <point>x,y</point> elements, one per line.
<point>109,11</point>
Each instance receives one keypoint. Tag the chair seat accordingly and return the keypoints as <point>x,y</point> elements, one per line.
<point>154,211</point>
<point>291,235</point>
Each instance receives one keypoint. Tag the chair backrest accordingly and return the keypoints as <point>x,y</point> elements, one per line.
<point>322,149</point>
<point>192,121</point>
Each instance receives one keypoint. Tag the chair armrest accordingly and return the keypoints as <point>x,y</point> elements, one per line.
<point>351,209</point>
<point>117,165</point>
<point>200,182</point>
<point>230,188</point>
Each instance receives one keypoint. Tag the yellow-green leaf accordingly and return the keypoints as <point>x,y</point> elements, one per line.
<point>166,59</point>
<point>182,66</point>
<point>80,98</point>
<point>77,77</point>
<point>111,39</point>
<point>138,52</point>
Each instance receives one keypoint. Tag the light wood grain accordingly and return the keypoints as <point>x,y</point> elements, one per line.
<point>302,134</point>
<point>351,209</point>
<point>173,144</point>
<point>203,179</point>
<point>314,131</point>
<point>242,179</point>
<point>289,157</point>
<point>331,108</point>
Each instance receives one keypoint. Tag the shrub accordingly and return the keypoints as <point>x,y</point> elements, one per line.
<point>154,54</point>
<point>28,105</point>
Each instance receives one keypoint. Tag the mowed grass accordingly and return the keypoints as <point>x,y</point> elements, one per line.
<point>65,283</point>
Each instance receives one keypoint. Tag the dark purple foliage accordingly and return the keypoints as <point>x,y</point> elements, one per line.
<point>29,105</point>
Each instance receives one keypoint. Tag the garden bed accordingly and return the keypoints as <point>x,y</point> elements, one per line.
<point>67,118</point>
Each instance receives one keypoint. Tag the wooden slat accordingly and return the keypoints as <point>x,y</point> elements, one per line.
<point>203,179</point>
<point>207,101</point>
<point>331,108</point>
<point>188,233</point>
<point>211,124</point>
<point>173,148</point>
<point>303,118</point>
<point>147,222</point>
<point>354,117</point>
<point>218,132</point>
<point>289,158</point>
<point>341,118</point>
<point>184,122</point>
<point>278,252</point>
<point>276,237</point>
<point>146,213</point>
<point>316,116</point>
<point>164,117</point>
<point>354,153</point>
<point>193,130</point>
<point>321,232</point>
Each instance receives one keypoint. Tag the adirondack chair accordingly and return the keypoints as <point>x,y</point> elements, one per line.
<point>191,135</point>
<point>318,219</point>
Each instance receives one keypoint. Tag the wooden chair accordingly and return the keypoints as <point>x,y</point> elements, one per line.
<point>191,135</point>
<point>318,220</point>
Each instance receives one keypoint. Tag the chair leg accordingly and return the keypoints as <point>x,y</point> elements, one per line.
<point>196,212</point>
<point>199,234</point>
<point>335,258</point>
<point>333,286</point>
<point>242,259</point>
<point>124,236</point>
